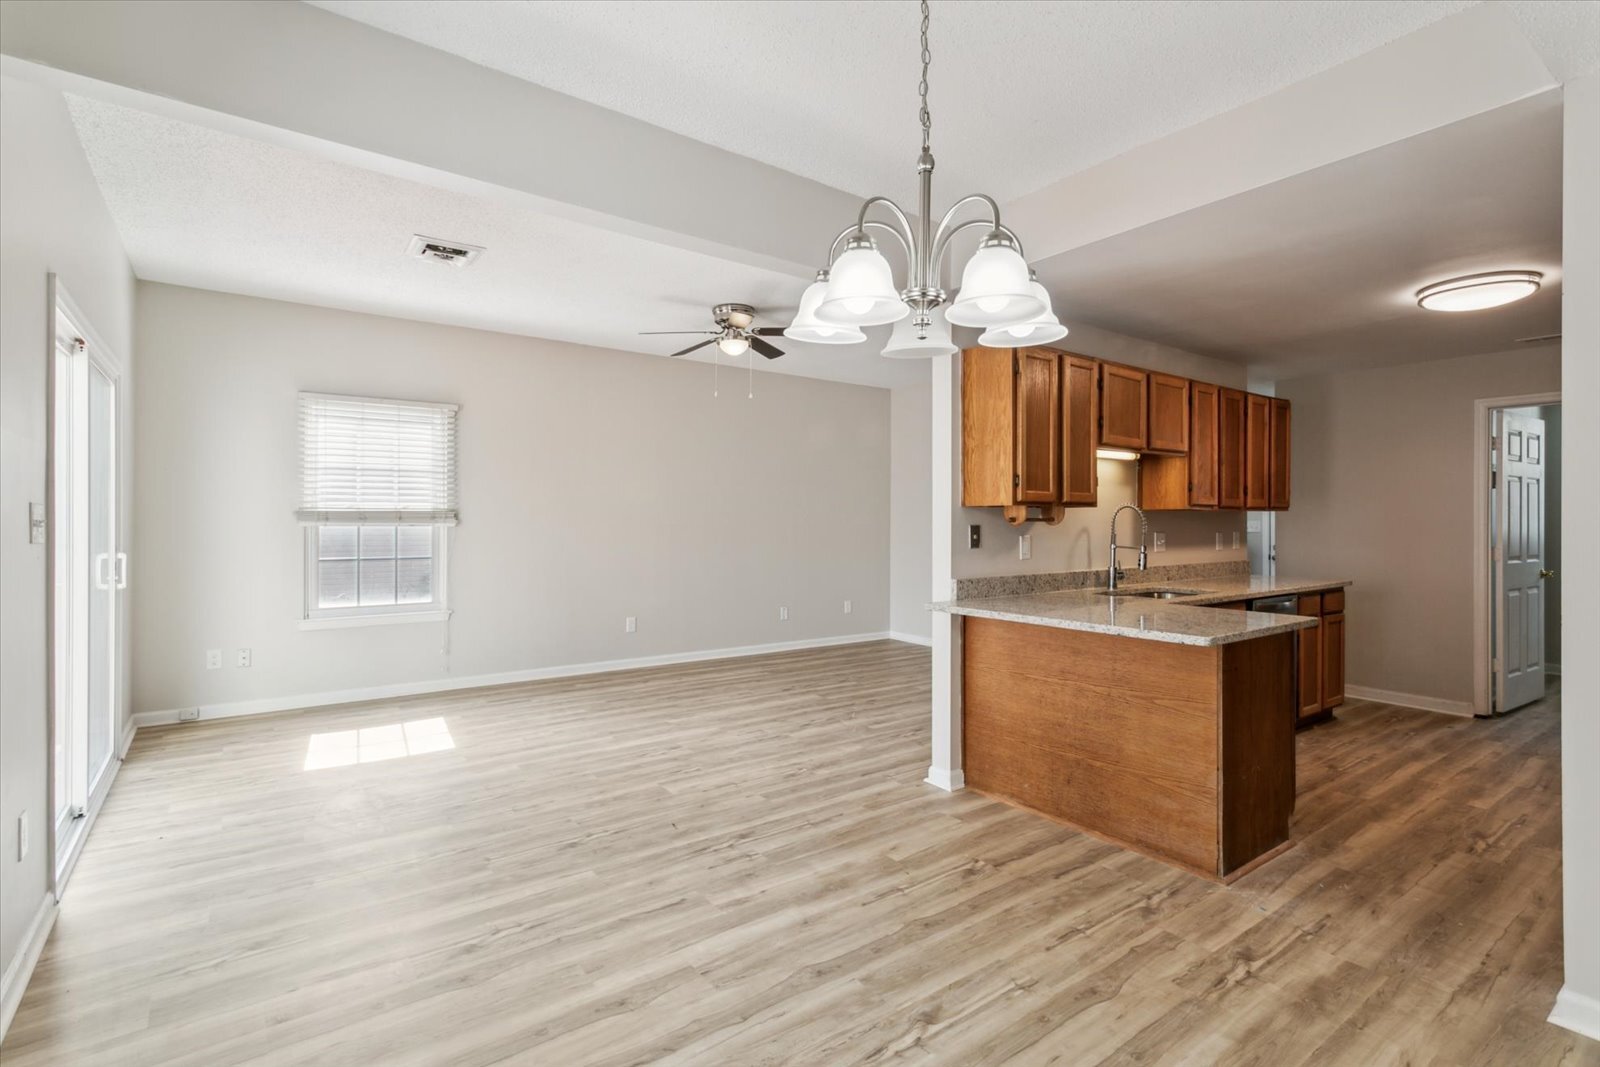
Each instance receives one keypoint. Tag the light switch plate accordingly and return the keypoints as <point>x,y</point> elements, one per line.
<point>36,524</point>
<point>1158,542</point>
<point>1236,539</point>
<point>783,614</point>
<point>848,607</point>
<point>1025,546</point>
<point>1220,537</point>
<point>630,624</point>
<point>22,837</point>
<point>213,659</point>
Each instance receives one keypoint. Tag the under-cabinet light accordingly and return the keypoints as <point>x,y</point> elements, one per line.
<point>1115,453</point>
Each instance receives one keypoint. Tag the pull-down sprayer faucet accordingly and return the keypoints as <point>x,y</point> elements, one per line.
<point>1114,572</point>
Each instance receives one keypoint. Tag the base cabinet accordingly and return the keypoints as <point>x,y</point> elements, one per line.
<point>1319,658</point>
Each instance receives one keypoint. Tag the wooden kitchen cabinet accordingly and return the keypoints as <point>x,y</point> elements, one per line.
<point>1080,425</point>
<point>1167,428</point>
<point>1320,657</point>
<point>1310,659</point>
<point>1124,407</point>
<point>1257,452</point>
<point>1278,456</point>
<point>1332,651</point>
<point>1230,448</point>
<point>1010,430</point>
<point>1204,470</point>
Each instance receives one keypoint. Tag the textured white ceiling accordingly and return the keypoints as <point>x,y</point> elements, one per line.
<point>1023,92</point>
<point>203,208</point>
<point>1320,270</point>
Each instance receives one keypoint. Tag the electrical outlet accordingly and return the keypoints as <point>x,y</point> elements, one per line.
<point>213,659</point>
<point>974,536</point>
<point>1219,542</point>
<point>1025,546</point>
<point>241,658</point>
<point>1158,542</point>
<point>630,624</point>
<point>783,614</point>
<point>848,607</point>
<point>188,714</point>
<point>1236,539</point>
<point>22,837</point>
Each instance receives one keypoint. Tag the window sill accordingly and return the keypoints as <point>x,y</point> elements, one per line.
<point>393,618</point>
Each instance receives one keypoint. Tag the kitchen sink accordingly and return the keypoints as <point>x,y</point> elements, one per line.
<point>1151,594</point>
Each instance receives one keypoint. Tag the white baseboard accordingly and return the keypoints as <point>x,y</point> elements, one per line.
<point>1411,700</point>
<point>948,780</point>
<point>1553,668</point>
<point>911,639</point>
<point>1577,1012</point>
<point>20,969</point>
<point>445,685</point>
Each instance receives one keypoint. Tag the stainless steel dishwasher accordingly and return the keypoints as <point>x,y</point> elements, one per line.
<point>1277,605</point>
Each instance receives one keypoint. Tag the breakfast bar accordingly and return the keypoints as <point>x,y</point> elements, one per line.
<point>1163,726</point>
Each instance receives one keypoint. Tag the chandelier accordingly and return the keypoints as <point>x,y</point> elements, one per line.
<point>998,293</point>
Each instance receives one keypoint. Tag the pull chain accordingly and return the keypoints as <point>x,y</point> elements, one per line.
<point>716,373</point>
<point>750,369</point>
<point>922,87</point>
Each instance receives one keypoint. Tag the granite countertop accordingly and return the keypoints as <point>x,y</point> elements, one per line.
<point>1183,620</point>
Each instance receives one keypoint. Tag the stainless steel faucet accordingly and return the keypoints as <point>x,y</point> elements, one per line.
<point>1113,572</point>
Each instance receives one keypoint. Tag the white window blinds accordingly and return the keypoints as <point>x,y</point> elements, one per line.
<point>366,461</point>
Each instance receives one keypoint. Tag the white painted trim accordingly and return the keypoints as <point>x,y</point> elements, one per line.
<point>97,800</point>
<point>911,639</point>
<point>1482,566</point>
<point>340,622</point>
<point>1576,1012</point>
<point>15,981</point>
<point>1411,700</point>
<point>445,685</point>
<point>1552,668</point>
<point>949,781</point>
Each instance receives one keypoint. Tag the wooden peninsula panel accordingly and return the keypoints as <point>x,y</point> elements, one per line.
<point>1181,751</point>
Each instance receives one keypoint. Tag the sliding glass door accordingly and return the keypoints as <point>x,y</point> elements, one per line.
<point>90,572</point>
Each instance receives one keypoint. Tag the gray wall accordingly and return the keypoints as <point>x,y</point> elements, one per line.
<point>51,219</point>
<point>1382,495</point>
<point>594,485</point>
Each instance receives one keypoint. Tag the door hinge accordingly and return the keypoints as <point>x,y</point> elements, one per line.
<point>1494,479</point>
<point>1016,480</point>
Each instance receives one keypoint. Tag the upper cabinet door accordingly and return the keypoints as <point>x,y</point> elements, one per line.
<point>1278,456</point>
<point>1203,442</point>
<point>1038,377</point>
<point>1230,448</point>
<point>1123,407</point>
<point>1169,415</point>
<point>1258,444</point>
<point>1080,420</point>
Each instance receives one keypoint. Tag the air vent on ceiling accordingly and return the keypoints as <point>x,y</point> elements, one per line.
<point>455,253</point>
<point>1541,339</point>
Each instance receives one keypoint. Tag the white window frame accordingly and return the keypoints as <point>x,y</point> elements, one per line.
<point>437,610</point>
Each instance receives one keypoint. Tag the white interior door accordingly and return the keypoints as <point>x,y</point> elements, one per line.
<point>1519,562</point>
<point>90,572</point>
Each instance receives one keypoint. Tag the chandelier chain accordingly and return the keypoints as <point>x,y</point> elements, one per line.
<point>922,87</point>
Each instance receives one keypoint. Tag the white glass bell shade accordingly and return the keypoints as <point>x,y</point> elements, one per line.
<point>861,291</point>
<point>807,327</point>
<point>734,346</point>
<point>905,344</point>
<point>995,290</point>
<point>1040,330</point>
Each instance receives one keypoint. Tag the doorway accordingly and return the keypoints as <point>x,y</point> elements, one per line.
<point>1519,547</point>
<point>88,576</point>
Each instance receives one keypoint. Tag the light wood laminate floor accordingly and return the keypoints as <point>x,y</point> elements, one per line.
<point>737,864</point>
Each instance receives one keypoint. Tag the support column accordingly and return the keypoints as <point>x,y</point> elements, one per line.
<point>945,769</point>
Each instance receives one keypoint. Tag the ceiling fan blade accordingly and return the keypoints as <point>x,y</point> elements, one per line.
<point>698,333</point>
<point>768,331</point>
<point>691,348</point>
<point>768,350</point>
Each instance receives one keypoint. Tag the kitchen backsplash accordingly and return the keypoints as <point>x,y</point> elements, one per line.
<point>1018,584</point>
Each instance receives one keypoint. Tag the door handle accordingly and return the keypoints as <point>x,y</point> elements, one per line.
<point>1547,574</point>
<point>122,570</point>
<point>102,578</point>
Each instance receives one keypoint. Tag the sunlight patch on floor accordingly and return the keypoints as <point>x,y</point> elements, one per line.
<point>344,748</point>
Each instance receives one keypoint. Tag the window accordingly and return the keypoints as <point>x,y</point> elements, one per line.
<point>378,496</point>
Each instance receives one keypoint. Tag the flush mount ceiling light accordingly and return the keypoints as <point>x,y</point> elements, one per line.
<point>1478,291</point>
<point>997,289</point>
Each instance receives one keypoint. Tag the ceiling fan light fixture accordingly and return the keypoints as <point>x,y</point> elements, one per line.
<point>1039,330</point>
<point>905,344</point>
<point>807,327</point>
<point>734,345</point>
<point>995,290</point>
<point>861,288</point>
<point>1474,292</point>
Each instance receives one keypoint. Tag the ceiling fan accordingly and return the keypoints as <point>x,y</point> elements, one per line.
<point>734,334</point>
